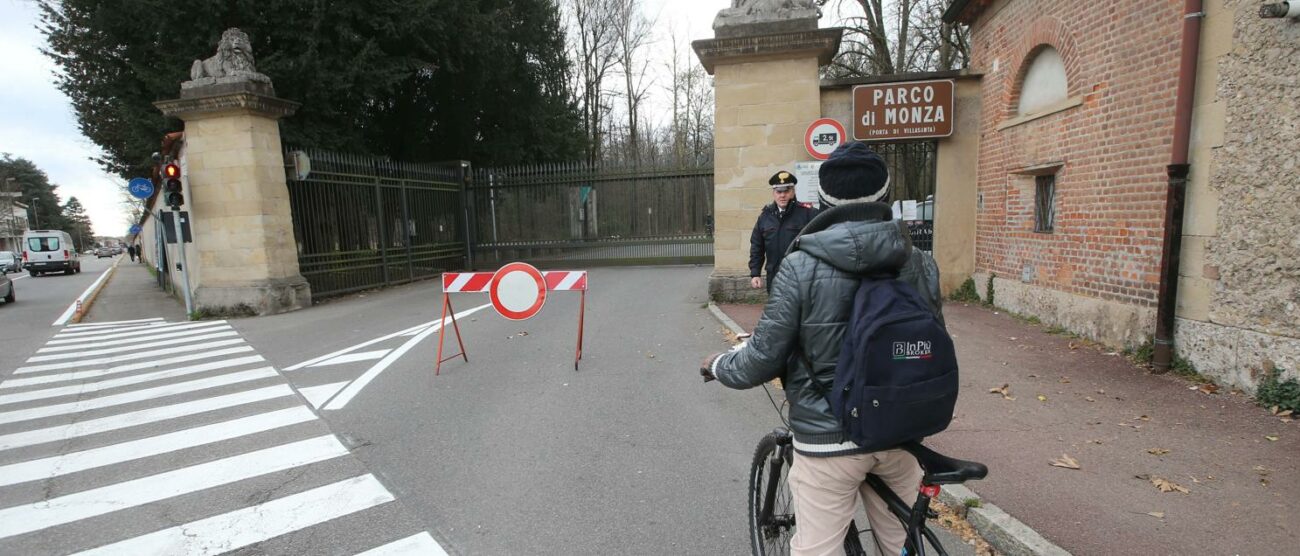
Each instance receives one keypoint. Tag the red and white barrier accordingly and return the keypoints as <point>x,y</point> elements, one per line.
<point>533,298</point>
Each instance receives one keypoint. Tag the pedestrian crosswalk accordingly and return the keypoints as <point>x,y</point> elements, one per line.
<point>150,437</point>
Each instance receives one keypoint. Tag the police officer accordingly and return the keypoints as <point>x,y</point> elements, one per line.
<point>777,226</point>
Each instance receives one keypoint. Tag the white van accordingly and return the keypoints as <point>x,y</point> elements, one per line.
<point>50,251</point>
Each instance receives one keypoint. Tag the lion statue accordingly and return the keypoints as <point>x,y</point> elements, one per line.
<point>234,58</point>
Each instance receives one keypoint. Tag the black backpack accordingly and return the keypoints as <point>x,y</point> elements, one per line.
<point>896,378</point>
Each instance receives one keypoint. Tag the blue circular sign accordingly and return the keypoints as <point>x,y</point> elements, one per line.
<point>140,188</point>
<point>135,229</point>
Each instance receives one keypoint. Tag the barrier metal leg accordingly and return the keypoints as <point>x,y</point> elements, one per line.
<point>582,310</point>
<point>442,331</point>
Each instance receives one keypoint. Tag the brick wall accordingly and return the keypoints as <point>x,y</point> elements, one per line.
<point>1121,61</point>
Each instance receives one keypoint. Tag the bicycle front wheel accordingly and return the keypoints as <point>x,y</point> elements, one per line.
<point>771,506</point>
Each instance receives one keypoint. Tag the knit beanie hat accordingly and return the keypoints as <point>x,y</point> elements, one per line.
<point>853,174</point>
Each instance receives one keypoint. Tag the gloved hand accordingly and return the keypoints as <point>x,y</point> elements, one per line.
<point>706,367</point>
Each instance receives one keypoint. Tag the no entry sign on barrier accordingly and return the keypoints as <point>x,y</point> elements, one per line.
<point>518,292</point>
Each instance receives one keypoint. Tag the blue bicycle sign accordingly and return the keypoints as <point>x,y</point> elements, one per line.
<point>140,188</point>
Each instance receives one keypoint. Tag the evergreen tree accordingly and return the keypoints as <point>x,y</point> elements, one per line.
<point>38,194</point>
<point>78,223</point>
<point>416,80</point>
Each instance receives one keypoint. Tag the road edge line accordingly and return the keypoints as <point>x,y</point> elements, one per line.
<point>1005,533</point>
<point>90,299</point>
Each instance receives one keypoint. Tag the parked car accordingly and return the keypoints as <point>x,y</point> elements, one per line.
<point>7,286</point>
<point>11,262</point>
<point>49,251</point>
<point>103,252</point>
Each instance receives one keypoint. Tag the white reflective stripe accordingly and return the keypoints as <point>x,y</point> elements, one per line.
<point>95,373</point>
<point>135,342</point>
<point>117,335</point>
<point>112,323</point>
<point>230,531</point>
<point>825,448</point>
<point>570,280</point>
<point>27,518</point>
<point>460,281</point>
<point>414,545</point>
<point>137,396</point>
<point>121,348</point>
<point>124,381</point>
<point>142,417</point>
<point>130,357</point>
<point>55,466</point>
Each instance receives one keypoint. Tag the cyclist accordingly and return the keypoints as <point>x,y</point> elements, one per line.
<point>798,339</point>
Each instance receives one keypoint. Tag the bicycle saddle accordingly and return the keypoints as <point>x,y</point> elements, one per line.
<point>943,470</point>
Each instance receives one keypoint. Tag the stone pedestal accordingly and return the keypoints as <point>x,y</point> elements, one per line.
<point>244,258</point>
<point>767,91</point>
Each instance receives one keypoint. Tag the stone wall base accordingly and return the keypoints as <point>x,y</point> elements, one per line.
<point>265,297</point>
<point>1235,356</point>
<point>732,288</point>
<point>1109,322</point>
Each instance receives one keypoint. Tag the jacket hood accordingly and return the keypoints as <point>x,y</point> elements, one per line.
<point>858,241</point>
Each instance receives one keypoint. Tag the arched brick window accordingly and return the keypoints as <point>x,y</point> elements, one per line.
<point>1045,82</point>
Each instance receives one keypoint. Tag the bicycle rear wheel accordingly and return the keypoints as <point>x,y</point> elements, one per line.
<point>771,506</point>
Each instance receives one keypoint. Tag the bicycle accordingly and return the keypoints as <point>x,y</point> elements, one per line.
<point>771,515</point>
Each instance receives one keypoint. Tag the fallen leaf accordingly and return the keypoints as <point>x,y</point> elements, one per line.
<point>1285,413</point>
<point>1262,470</point>
<point>1271,437</point>
<point>1005,390</point>
<point>1065,381</point>
<point>1042,398</point>
<point>1142,418</point>
<point>1101,391</point>
<point>1074,345</point>
<point>1209,388</point>
<point>1013,337</point>
<point>1130,425</point>
<point>1157,515</point>
<point>1066,461</point>
<point>1095,441</point>
<point>1166,485</point>
<point>1089,398</point>
<point>1273,410</point>
<point>1157,451</point>
<point>1033,376</point>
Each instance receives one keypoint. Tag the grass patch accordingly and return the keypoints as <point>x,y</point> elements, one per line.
<point>972,503</point>
<point>966,293</point>
<point>237,311</point>
<point>1285,394</point>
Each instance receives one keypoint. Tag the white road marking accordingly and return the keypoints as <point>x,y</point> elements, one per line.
<point>67,314</point>
<point>342,399</point>
<point>95,373</point>
<point>141,417</point>
<point>68,338</point>
<point>46,468</point>
<point>414,545</point>
<point>353,358</point>
<point>133,341</point>
<point>120,349</point>
<point>83,325</point>
<point>318,395</point>
<point>137,396</point>
<point>27,518</point>
<point>128,357</point>
<point>124,381</point>
<point>229,531</point>
<point>358,346</point>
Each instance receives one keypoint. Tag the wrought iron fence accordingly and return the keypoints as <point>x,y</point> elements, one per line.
<point>363,222</point>
<point>913,167</point>
<point>572,214</point>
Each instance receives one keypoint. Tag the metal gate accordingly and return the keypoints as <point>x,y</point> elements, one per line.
<point>574,214</point>
<point>363,222</point>
<point>912,170</point>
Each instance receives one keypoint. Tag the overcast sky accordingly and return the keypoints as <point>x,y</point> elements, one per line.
<point>37,122</point>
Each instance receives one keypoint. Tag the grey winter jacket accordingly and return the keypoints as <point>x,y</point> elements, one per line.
<point>808,312</point>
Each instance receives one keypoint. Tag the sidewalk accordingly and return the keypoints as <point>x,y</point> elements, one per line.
<point>1116,420</point>
<point>133,293</point>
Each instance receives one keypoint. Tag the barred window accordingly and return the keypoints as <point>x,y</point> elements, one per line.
<point>1044,203</point>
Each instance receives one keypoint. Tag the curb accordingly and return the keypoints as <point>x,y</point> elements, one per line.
<point>90,299</point>
<point>1005,533</point>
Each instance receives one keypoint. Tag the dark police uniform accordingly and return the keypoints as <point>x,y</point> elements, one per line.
<point>775,230</point>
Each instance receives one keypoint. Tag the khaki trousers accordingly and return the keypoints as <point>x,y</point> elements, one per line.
<point>825,490</point>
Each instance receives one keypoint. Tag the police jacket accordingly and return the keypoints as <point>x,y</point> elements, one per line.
<point>799,335</point>
<point>772,235</point>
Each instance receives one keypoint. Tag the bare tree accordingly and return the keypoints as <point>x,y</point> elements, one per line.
<point>633,33</point>
<point>900,36</point>
<point>595,42</point>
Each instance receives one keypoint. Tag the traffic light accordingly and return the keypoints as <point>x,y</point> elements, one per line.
<point>172,185</point>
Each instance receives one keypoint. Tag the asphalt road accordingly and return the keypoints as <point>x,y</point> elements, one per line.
<point>25,324</point>
<point>515,452</point>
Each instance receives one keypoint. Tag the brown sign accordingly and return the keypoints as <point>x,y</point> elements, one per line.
<point>907,110</point>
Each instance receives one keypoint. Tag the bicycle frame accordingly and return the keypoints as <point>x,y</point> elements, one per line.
<point>913,518</point>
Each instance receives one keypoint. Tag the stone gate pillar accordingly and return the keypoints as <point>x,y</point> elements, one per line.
<point>765,64</point>
<point>235,186</point>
